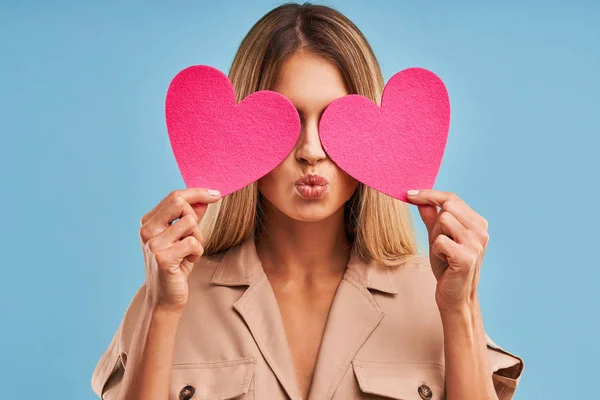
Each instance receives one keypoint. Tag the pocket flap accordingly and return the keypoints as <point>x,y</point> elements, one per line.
<point>401,380</point>
<point>219,380</point>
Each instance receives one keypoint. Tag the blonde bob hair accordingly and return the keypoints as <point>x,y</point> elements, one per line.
<point>380,227</point>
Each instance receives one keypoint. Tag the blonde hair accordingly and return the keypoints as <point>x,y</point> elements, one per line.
<point>381,227</point>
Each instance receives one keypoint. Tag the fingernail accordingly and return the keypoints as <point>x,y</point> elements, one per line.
<point>412,192</point>
<point>213,192</point>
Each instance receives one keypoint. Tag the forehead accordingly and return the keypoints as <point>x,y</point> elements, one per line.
<point>309,81</point>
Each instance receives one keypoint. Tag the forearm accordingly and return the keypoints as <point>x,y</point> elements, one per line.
<point>148,371</point>
<point>468,371</point>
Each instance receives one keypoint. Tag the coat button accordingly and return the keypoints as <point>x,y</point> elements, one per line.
<point>425,392</point>
<point>186,393</point>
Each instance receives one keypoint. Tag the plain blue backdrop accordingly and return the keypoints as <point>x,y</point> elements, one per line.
<point>85,153</point>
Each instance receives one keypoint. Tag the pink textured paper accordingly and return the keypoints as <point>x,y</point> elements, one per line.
<point>396,147</point>
<point>219,144</point>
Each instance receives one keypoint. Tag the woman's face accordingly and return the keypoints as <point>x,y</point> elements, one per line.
<point>310,83</point>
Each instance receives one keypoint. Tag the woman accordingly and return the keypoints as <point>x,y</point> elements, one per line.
<point>307,284</point>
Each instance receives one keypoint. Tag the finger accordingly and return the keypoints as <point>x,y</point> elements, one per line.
<point>201,196</point>
<point>176,206</point>
<point>197,198</point>
<point>465,214</point>
<point>439,248</point>
<point>445,248</point>
<point>192,250</point>
<point>452,228</point>
<point>175,255</point>
<point>185,226</point>
<point>192,258</point>
<point>430,197</point>
<point>454,253</point>
<point>163,218</point>
<point>429,215</point>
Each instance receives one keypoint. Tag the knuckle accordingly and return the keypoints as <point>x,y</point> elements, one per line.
<point>485,223</point>
<point>445,217</point>
<point>446,205</point>
<point>191,220</point>
<point>174,194</point>
<point>175,198</point>
<point>192,241</point>
<point>453,199</point>
<point>160,258</point>
<point>152,245</point>
<point>178,201</point>
<point>486,237</point>
<point>144,234</point>
<point>437,241</point>
<point>198,244</point>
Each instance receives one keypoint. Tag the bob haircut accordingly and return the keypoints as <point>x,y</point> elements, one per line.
<point>379,226</point>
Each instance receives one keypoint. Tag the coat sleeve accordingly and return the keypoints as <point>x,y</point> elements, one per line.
<point>109,371</point>
<point>507,369</point>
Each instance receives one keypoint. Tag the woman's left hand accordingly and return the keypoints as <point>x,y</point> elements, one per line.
<point>458,239</point>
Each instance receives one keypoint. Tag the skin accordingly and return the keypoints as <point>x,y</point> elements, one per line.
<point>458,238</point>
<point>303,245</point>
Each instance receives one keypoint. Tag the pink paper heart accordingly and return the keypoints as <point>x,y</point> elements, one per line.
<point>219,144</point>
<point>396,147</point>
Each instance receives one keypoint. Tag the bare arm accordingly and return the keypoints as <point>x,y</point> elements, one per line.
<point>148,372</point>
<point>170,252</point>
<point>468,371</point>
<point>458,238</point>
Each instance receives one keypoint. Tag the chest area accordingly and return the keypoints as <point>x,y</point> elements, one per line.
<point>304,319</point>
<point>337,344</point>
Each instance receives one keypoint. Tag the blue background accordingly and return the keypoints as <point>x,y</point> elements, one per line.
<point>85,154</point>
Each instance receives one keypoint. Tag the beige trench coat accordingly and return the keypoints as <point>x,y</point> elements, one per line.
<point>383,338</point>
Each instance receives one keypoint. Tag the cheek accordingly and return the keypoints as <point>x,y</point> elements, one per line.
<point>347,183</point>
<point>265,184</point>
<point>269,183</point>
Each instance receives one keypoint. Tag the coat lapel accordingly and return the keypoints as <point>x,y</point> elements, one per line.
<point>259,309</point>
<point>353,316</point>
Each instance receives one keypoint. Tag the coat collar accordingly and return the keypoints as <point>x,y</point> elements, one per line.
<point>345,331</point>
<point>240,265</point>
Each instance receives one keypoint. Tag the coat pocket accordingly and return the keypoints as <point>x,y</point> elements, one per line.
<point>400,380</point>
<point>218,380</point>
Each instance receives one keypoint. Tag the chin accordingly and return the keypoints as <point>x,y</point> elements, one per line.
<point>311,210</point>
<point>307,215</point>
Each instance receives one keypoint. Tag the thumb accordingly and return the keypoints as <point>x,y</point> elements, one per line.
<point>428,214</point>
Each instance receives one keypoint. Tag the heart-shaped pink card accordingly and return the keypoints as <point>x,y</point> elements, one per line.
<point>220,144</point>
<point>396,147</point>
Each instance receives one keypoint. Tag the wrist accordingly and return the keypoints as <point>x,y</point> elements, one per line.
<point>461,312</point>
<point>467,309</point>
<point>167,310</point>
<point>158,308</point>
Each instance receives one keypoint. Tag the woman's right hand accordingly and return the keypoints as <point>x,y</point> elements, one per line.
<point>171,248</point>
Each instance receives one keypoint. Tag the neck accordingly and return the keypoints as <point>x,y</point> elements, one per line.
<point>302,251</point>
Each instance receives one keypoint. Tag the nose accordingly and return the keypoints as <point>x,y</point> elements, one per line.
<point>309,149</point>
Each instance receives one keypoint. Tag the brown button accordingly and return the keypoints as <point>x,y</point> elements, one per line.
<point>186,393</point>
<point>425,392</point>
